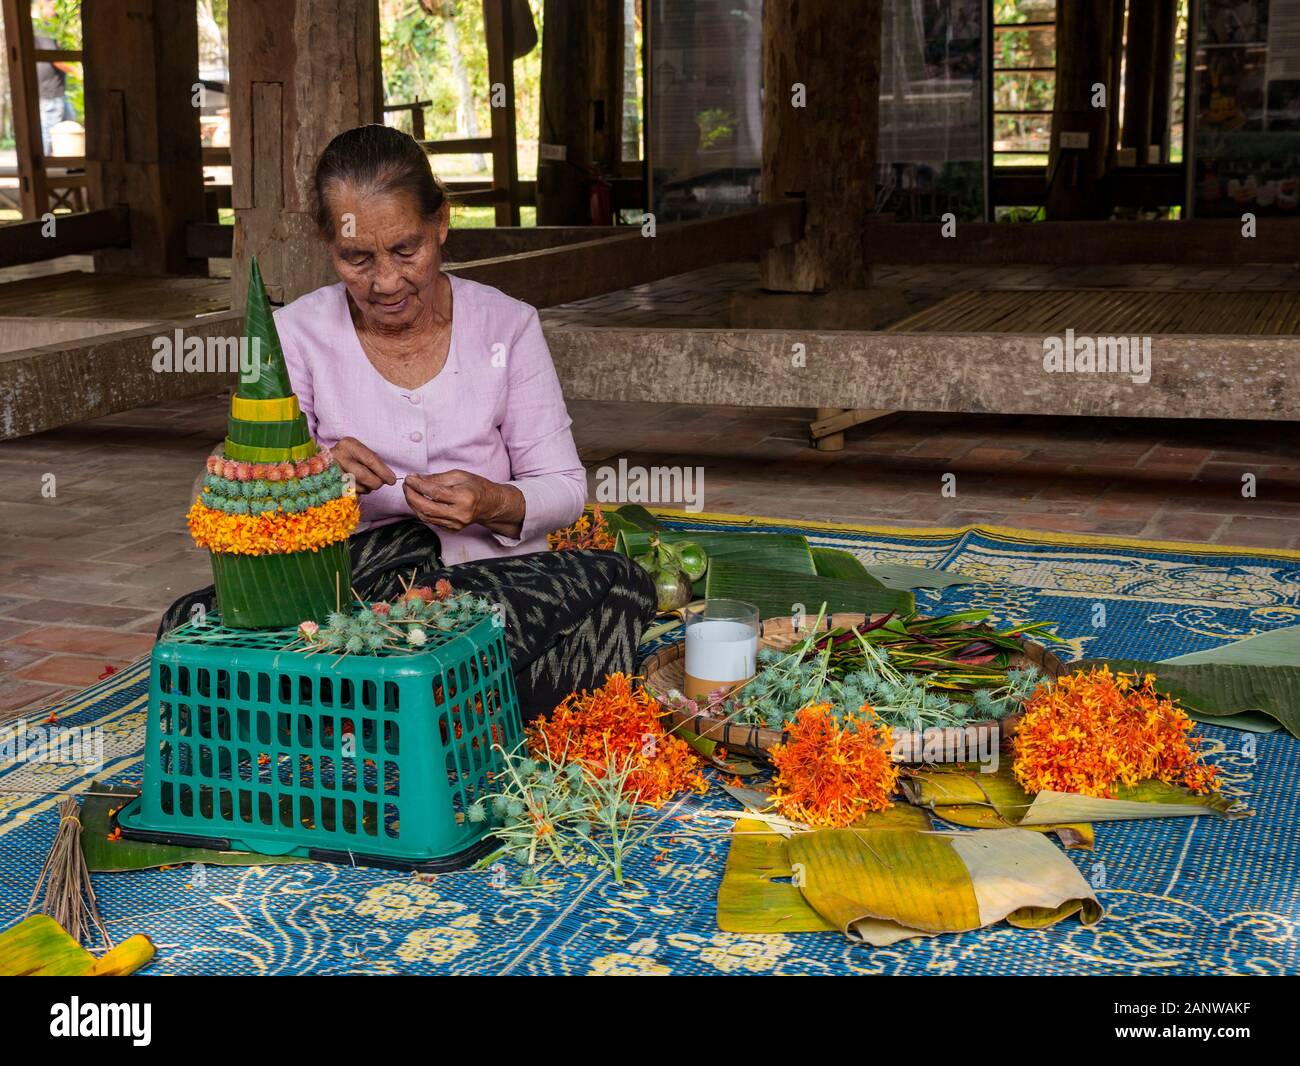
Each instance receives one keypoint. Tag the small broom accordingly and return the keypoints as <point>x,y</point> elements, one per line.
<point>69,895</point>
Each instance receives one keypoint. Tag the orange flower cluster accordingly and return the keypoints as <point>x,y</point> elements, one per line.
<point>276,532</point>
<point>619,722</point>
<point>586,532</point>
<point>1084,733</point>
<point>828,774</point>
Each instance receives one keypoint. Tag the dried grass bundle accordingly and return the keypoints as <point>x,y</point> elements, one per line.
<point>69,895</point>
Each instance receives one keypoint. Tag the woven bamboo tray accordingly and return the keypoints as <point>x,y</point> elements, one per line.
<point>665,669</point>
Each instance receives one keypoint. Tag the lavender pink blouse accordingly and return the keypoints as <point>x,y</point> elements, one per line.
<point>495,409</point>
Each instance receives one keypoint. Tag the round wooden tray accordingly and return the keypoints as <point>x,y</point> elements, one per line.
<point>664,671</point>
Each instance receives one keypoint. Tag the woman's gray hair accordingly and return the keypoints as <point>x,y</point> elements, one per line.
<point>377,159</point>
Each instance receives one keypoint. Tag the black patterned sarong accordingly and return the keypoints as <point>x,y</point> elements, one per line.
<point>571,617</point>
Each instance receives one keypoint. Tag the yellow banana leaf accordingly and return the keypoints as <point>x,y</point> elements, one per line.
<point>885,885</point>
<point>946,792</point>
<point>898,877</point>
<point>756,894</point>
<point>964,796</point>
<point>38,946</point>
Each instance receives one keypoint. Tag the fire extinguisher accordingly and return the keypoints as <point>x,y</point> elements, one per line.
<point>602,203</point>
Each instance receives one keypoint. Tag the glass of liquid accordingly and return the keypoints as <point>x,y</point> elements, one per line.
<point>721,646</point>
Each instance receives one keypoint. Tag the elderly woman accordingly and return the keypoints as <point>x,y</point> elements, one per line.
<point>438,396</point>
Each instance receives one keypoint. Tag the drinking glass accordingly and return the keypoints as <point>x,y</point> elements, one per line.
<point>721,645</point>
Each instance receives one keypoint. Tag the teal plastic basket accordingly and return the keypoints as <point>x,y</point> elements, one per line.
<point>369,759</point>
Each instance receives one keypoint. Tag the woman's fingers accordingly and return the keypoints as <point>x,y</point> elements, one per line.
<point>367,469</point>
<point>441,506</point>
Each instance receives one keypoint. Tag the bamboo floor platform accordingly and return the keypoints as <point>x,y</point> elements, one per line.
<point>1257,312</point>
<point>76,294</point>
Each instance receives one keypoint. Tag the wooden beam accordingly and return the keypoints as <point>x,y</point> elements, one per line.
<point>143,146</point>
<point>821,115</point>
<point>466,244</point>
<point>992,373</point>
<point>1194,241</point>
<point>458,146</point>
<point>837,420</point>
<point>74,234</point>
<point>25,95</point>
<point>209,240</point>
<point>576,271</point>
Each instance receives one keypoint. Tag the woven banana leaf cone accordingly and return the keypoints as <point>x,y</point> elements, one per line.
<point>275,591</point>
<point>270,493</point>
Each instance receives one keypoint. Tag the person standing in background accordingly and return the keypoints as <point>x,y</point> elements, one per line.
<point>51,78</point>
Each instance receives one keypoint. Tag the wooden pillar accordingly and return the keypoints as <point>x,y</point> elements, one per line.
<point>143,147</point>
<point>1085,58</point>
<point>1163,73</point>
<point>821,118</point>
<point>498,25</point>
<point>1139,77</point>
<point>301,71</point>
<point>582,93</point>
<point>25,96</point>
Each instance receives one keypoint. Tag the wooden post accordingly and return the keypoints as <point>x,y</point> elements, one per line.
<point>821,117</point>
<point>1139,78</point>
<point>1085,59</point>
<point>32,188</point>
<point>581,112</point>
<point>143,147</point>
<point>565,89</point>
<point>301,71</point>
<point>1163,74</point>
<point>498,25</point>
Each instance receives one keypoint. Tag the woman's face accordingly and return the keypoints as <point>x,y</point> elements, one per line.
<point>386,254</point>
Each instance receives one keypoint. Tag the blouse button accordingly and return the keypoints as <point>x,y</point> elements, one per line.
<point>414,399</point>
<point>417,436</point>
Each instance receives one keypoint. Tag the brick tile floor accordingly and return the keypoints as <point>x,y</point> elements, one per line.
<point>85,573</point>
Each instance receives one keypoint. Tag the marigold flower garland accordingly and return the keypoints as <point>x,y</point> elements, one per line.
<point>619,722</point>
<point>1086,733</point>
<point>276,532</point>
<point>830,774</point>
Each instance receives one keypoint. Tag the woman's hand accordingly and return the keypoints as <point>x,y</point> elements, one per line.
<point>455,499</point>
<point>367,470</point>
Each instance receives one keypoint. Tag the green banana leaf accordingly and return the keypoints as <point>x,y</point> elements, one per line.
<point>776,592</point>
<point>636,515</point>
<point>1222,691</point>
<point>1275,648</point>
<point>837,563</point>
<point>113,856</point>
<point>709,749</point>
<point>774,551</point>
